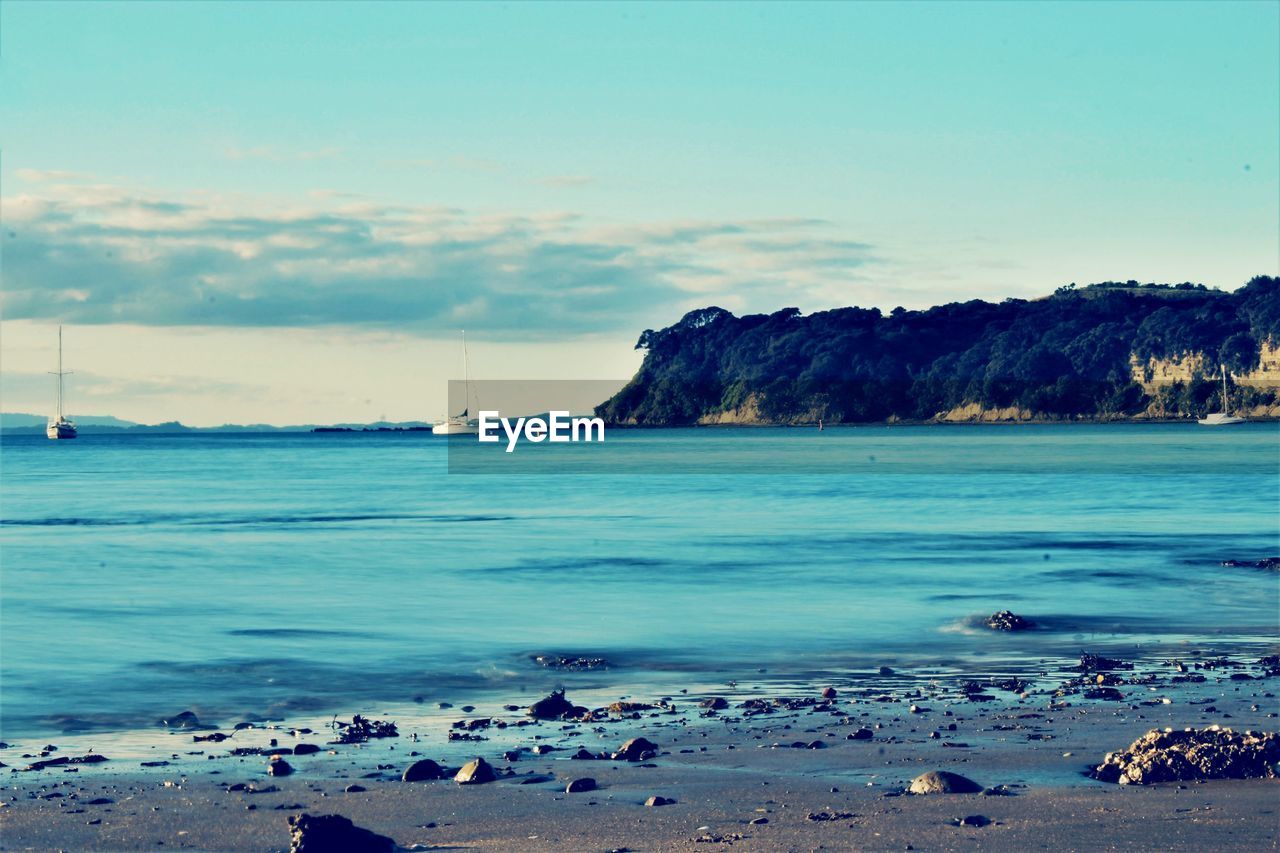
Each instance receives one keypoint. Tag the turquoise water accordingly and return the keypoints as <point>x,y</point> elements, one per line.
<point>262,574</point>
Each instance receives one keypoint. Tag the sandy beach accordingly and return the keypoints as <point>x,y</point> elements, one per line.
<point>753,765</point>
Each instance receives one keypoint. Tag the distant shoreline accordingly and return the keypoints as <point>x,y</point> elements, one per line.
<point>363,430</point>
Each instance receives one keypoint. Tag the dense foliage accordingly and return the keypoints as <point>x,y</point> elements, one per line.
<point>1066,355</point>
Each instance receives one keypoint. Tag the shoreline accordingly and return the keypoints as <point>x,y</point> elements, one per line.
<point>284,431</point>
<point>789,754</point>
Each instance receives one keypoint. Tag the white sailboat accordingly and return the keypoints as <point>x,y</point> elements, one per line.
<point>461,423</point>
<point>59,426</point>
<point>1221,418</point>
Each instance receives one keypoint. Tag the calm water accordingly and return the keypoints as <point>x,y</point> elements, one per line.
<point>261,574</point>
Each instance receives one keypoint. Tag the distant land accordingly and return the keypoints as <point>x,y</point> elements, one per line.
<point>1109,351</point>
<point>22,423</point>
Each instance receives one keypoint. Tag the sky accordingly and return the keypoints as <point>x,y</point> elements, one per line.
<point>286,212</point>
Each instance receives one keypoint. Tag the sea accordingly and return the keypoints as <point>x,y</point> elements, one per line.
<point>259,576</point>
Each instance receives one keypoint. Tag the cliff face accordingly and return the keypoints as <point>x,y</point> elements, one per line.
<point>1188,367</point>
<point>1102,352</point>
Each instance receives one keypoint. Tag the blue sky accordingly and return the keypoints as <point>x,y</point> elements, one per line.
<point>556,177</point>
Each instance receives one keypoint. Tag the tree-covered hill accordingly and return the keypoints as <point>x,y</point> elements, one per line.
<point>1063,356</point>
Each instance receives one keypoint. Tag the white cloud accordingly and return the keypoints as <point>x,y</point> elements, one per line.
<point>98,253</point>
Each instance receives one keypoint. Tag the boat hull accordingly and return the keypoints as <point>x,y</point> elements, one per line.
<point>455,428</point>
<point>62,430</point>
<point>1220,419</point>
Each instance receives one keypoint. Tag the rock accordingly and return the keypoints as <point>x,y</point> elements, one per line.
<point>1108,693</point>
<point>886,671</point>
<point>584,754</point>
<point>760,821</point>
<point>628,707</point>
<point>816,744</point>
<point>636,749</point>
<point>425,770</point>
<point>354,789</point>
<point>580,786</point>
<point>333,834</point>
<point>362,729</point>
<point>715,703</point>
<point>1098,663</point>
<point>553,707</point>
<point>1212,753</point>
<point>973,820</point>
<point>829,693</point>
<point>306,749</point>
<point>279,767</point>
<point>184,720</point>
<point>1268,563</point>
<point>1006,620</point>
<point>861,734</point>
<point>654,802</point>
<point>573,663</point>
<point>476,772</point>
<point>943,782</point>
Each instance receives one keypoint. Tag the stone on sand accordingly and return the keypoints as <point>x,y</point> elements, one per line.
<point>475,772</point>
<point>636,749</point>
<point>552,707</point>
<point>580,786</point>
<point>279,767</point>
<point>423,771</point>
<point>1212,753</point>
<point>656,801</point>
<point>943,782</point>
<point>333,834</point>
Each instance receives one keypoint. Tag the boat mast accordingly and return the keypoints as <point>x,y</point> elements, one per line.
<point>60,373</point>
<point>1224,388</point>
<point>466,378</point>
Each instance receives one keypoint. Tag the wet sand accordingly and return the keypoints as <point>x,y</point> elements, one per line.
<point>799,766</point>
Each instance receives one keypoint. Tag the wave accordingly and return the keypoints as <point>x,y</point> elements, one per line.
<point>216,521</point>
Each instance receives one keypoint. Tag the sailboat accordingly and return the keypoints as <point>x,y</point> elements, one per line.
<point>460,424</point>
<point>59,426</point>
<point>1221,418</point>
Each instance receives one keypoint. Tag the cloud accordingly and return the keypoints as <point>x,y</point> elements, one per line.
<point>44,176</point>
<point>105,254</point>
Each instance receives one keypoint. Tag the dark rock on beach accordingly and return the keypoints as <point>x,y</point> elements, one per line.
<point>184,720</point>
<point>580,786</point>
<point>552,707</point>
<point>1212,753</point>
<point>636,749</point>
<point>425,770</point>
<point>306,749</point>
<point>361,729</point>
<point>333,834</point>
<point>654,802</point>
<point>1006,620</point>
<point>973,820</point>
<point>1098,663</point>
<point>943,782</point>
<point>279,767</point>
<point>476,772</point>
